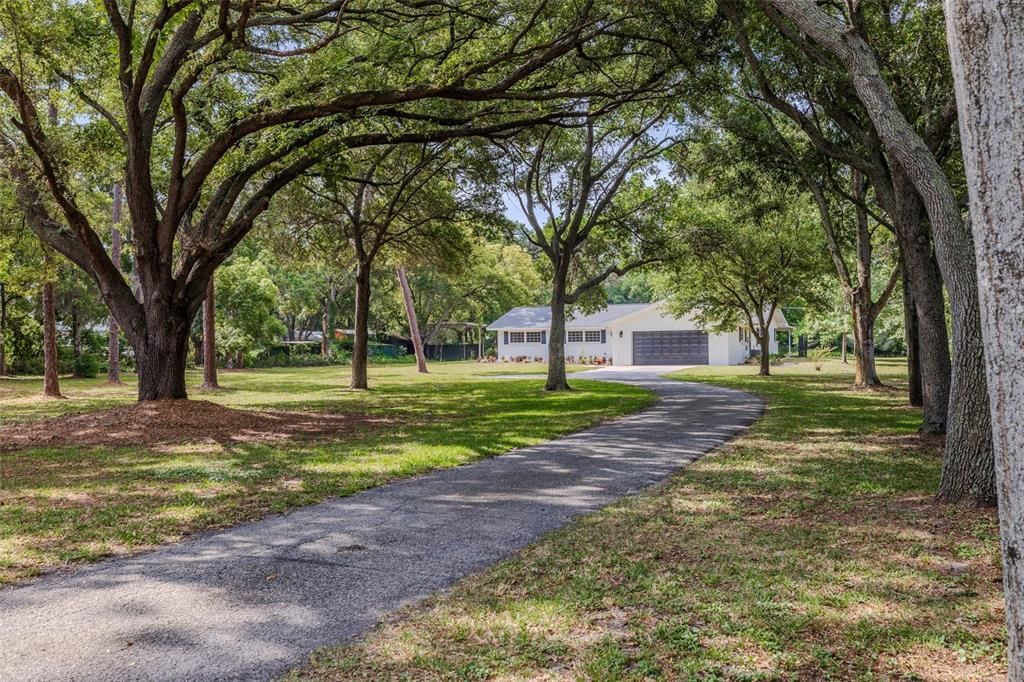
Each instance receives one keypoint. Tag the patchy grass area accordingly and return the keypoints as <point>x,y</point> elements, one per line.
<point>807,549</point>
<point>67,505</point>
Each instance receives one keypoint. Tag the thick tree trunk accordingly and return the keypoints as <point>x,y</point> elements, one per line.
<point>865,370</point>
<point>51,380</point>
<point>765,368</point>
<point>361,342</point>
<point>414,327</point>
<point>968,472</point>
<point>557,380</point>
<point>210,339</point>
<point>162,360</point>
<point>915,392</point>
<point>925,282</point>
<point>986,44</point>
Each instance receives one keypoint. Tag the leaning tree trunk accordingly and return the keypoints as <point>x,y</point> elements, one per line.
<point>361,342</point>
<point>915,393</point>
<point>113,330</point>
<point>51,381</point>
<point>210,339</point>
<point>986,45</point>
<point>557,380</point>
<point>968,468</point>
<point>414,326</point>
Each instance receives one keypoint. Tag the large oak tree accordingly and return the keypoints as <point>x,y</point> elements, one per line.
<point>215,106</point>
<point>590,201</point>
<point>906,172</point>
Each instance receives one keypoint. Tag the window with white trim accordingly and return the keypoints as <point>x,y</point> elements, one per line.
<point>515,337</point>
<point>575,336</point>
<point>534,337</point>
<point>592,336</point>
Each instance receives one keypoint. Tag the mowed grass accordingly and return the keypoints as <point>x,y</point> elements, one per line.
<point>61,506</point>
<point>807,549</point>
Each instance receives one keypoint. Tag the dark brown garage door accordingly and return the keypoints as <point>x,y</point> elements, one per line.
<point>670,348</point>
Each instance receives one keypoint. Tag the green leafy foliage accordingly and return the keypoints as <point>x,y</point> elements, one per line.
<point>247,300</point>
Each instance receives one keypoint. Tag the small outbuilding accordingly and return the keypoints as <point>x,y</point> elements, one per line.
<point>627,334</point>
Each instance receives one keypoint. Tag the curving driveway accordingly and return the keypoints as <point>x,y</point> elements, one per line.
<point>252,602</point>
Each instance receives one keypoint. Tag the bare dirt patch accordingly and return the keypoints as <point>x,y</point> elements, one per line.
<point>169,422</point>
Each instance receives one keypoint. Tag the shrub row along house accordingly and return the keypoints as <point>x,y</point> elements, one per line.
<point>627,334</point>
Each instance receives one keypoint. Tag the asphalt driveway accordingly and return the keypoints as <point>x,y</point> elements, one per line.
<point>252,602</point>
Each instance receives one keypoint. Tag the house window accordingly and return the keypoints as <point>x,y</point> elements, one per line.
<point>592,336</point>
<point>534,337</point>
<point>575,337</point>
<point>515,337</point>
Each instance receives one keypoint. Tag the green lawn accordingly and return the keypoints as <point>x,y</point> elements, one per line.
<point>807,549</point>
<point>60,506</point>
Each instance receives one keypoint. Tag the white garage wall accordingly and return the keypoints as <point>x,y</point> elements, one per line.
<point>723,349</point>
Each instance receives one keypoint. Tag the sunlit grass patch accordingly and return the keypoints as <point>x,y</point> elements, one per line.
<point>64,505</point>
<point>810,548</point>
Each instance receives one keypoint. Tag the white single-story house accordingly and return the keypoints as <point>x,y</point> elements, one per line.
<point>627,334</point>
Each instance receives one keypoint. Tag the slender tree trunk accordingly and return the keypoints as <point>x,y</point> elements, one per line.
<point>113,329</point>
<point>51,380</point>
<point>76,338</point>
<point>865,311</point>
<point>915,391</point>
<point>360,345</point>
<point>762,332</point>
<point>557,380</point>
<point>842,349</point>
<point>986,45</point>
<point>968,471</point>
<point>414,327</point>
<point>765,368</point>
<point>325,328</point>
<point>3,329</point>
<point>210,339</point>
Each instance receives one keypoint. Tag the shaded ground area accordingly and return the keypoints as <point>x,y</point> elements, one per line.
<point>810,548</point>
<point>179,421</point>
<point>69,503</point>
<point>251,602</point>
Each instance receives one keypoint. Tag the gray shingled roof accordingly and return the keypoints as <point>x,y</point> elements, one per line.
<point>540,318</point>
